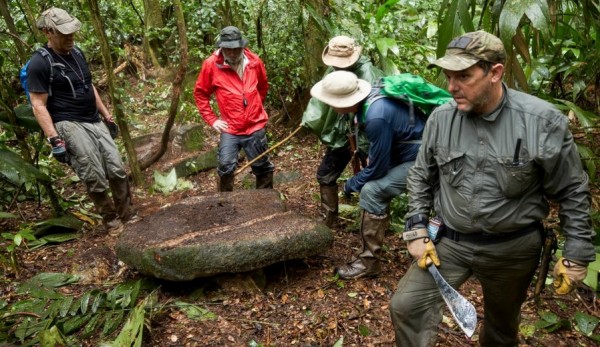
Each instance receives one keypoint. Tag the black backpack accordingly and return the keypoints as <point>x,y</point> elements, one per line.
<point>61,67</point>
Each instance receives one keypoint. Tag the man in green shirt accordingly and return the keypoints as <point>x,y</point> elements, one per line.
<point>490,162</point>
<point>342,53</point>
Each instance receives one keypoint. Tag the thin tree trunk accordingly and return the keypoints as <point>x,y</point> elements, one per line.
<point>116,101</point>
<point>177,83</point>
<point>10,24</point>
<point>152,20</point>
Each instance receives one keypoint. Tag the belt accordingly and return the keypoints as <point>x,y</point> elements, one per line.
<point>490,237</point>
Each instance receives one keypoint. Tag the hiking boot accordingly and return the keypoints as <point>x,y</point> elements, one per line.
<point>368,262</point>
<point>114,227</point>
<point>357,269</point>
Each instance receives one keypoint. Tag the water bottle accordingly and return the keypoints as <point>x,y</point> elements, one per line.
<point>433,227</point>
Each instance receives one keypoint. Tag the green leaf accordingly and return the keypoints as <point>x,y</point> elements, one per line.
<point>66,305</point>
<point>51,338</point>
<point>195,312</point>
<point>339,343</point>
<point>7,215</point>
<point>385,44</point>
<point>364,330</point>
<point>17,170</point>
<point>112,323</point>
<point>54,238</point>
<point>85,300</point>
<point>165,184</point>
<point>18,239</point>
<point>132,332</point>
<point>51,280</point>
<point>548,316</point>
<point>586,323</point>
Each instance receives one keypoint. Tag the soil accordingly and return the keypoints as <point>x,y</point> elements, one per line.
<point>294,303</point>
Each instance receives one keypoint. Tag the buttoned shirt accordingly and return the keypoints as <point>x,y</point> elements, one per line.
<point>496,172</point>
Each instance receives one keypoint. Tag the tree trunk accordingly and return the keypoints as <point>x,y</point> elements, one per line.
<point>12,29</point>
<point>152,20</point>
<point>177,83</point>
<point>116,101</point>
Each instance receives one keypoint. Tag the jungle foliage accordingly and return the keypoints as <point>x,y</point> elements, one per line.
<point>554,53</point>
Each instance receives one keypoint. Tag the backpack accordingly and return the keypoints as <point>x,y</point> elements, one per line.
<point>44,52</point>
<point>421,96</point>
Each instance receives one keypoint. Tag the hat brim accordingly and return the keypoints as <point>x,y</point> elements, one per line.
<point>340,62</point>
<point>454,62</point>
<point>232,44</point>
<point>338,101</point>
<point>69,28</point>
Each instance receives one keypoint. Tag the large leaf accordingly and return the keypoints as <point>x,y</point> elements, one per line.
<point>24,116</point>
<point>17,170</point>
<point>514,11</point>
<point>61,224</point>
<point>586,323</point>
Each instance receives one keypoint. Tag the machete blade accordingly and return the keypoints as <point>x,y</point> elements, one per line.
<point>463,311</point>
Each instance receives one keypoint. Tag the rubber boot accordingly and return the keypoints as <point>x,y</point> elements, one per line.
<point>105,208</point>
<point>329,204</point>
<point>226,183</point>
<point>368,262</point>
<point>122,198</point>
<point>264,181</point>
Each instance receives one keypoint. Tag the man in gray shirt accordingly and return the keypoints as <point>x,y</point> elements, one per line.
<point>490,162</point>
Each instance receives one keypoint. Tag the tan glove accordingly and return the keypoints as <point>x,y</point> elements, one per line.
<point>423,250</point>
<point>567,275</point>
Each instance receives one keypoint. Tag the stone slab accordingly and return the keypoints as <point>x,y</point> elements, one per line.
<point>220,233</point>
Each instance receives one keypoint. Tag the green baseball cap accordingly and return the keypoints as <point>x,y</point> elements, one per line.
<point>470,48</point>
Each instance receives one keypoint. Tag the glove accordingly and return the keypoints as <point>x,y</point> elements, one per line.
<point>220,125</point>
<point>113,129</point>
<point>423,250</point>
<point>347,192</point>
<point>59,149</point>
<point>567,275</point>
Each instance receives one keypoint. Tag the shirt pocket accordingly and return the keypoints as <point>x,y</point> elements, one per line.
<point>516,179</point>
<point>451,164</point>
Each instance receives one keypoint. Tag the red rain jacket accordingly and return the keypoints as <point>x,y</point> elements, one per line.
<point>231,91</point>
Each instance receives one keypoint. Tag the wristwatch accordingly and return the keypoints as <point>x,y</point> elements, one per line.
<point>414,234</point>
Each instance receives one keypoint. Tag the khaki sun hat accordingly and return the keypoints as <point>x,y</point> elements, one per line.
<point>58,19</point>
<point>341,52</point>
<point>470,48</point>
<point>341,89</point>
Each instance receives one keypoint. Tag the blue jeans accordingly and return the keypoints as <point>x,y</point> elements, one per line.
<point>253,145</point>
<point>375,196</point>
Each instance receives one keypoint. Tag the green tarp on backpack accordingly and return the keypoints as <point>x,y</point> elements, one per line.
<point>414,90</point>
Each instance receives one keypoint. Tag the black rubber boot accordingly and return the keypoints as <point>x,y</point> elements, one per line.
<point>122,198</point>
<point>264,181</point>
<point>105,208</point>
<point>226,183</point>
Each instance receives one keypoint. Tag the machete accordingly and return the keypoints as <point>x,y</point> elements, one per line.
<point>463,311</point>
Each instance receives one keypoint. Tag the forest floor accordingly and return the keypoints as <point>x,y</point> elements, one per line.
<point>300,302</point>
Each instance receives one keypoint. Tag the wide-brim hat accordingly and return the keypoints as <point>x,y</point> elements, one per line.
<point>60,20</point>
<point>341,89</point>
<point>231,37</point>
<point>341,52</point>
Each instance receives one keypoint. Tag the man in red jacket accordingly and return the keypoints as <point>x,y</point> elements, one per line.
<point>238,79</point>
